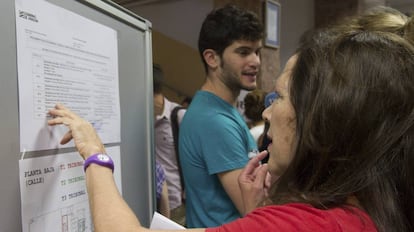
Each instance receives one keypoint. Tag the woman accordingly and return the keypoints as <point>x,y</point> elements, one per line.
<point>342,132</point>
<point>253,108</point>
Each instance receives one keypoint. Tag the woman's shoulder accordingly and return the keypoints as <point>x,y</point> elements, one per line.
<point>302,217</point>
<point>345,218</point>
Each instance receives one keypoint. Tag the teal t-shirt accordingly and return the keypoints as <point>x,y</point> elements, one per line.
<point>213,138</point>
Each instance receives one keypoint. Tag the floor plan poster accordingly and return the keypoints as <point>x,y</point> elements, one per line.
<point>53,192</point>
<point>64,57</point>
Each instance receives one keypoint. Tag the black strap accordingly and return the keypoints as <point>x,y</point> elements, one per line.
<point>175,128</point>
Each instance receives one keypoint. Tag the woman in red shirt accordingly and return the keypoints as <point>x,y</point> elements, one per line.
<point>342,144</point>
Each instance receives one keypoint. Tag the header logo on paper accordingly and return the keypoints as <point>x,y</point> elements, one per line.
<point>27,15</point>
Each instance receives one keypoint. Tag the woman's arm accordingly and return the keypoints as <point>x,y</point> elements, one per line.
<point>254,181</point>
<point>109,210</point>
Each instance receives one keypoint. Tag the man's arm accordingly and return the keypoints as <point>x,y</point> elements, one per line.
<point>164,203</point>
<point>231,186</point>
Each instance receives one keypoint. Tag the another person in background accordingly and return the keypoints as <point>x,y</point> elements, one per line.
<point>253,109</point>
<point>163,206</point>
<point>164,146</point>
<point>186,102</point>
<point>214,138</point>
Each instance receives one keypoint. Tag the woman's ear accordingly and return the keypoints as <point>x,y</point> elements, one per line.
<point>211,58</point>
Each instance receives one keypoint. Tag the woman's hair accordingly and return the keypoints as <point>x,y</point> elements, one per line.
<point>254,105</point>
<point>380,18</point>
<point>352,93</point>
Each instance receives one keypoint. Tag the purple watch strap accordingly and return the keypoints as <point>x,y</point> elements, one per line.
<point>99,159</point>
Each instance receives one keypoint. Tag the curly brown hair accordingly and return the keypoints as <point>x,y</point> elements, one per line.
<point>254,105</point>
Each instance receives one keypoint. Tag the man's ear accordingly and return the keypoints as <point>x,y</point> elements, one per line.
<point>211,58</point>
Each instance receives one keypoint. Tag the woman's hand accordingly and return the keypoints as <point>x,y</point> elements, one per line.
<point>254,182</point>
<point>84,135</point>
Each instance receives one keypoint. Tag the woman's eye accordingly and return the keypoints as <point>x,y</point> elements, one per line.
<point>271,97</point>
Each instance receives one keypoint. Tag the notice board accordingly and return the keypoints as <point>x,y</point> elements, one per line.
<point>124,106</point>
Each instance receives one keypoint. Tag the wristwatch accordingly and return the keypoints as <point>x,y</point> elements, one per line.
<point>99,159</point>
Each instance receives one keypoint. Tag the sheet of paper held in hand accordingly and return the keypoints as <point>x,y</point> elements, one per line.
<point>163,223</point>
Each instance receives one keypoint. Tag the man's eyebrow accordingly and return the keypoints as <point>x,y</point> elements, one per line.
<point>244,48</point>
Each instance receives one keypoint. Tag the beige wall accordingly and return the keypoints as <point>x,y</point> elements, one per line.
<point>183,70</point>
<point>330,11</point>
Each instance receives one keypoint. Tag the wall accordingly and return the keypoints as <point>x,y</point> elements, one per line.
<point>297,17</point>
<point>329,11</point>
<point>183,70</point>
<point>180,20</point>
<point>175,34</point>
<point>406,6</point>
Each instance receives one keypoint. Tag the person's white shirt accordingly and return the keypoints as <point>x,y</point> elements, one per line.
<point>165,153</point>
<point>256,131</point>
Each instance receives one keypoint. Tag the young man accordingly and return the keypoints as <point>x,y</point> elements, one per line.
<point>165,147</point>
<point>214,138</point>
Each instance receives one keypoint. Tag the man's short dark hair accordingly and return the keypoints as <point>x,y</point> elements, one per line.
<point>225,25</point>
<point>157,75</point>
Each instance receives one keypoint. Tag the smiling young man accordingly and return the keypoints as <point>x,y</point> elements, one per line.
<point>214,138</point>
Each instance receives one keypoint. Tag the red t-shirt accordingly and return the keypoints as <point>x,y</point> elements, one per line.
<point>300,217</point>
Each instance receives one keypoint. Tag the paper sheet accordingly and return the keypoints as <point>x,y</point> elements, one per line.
<point>53,192</point>
<point>163,223</point>
<point>64,57</point>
